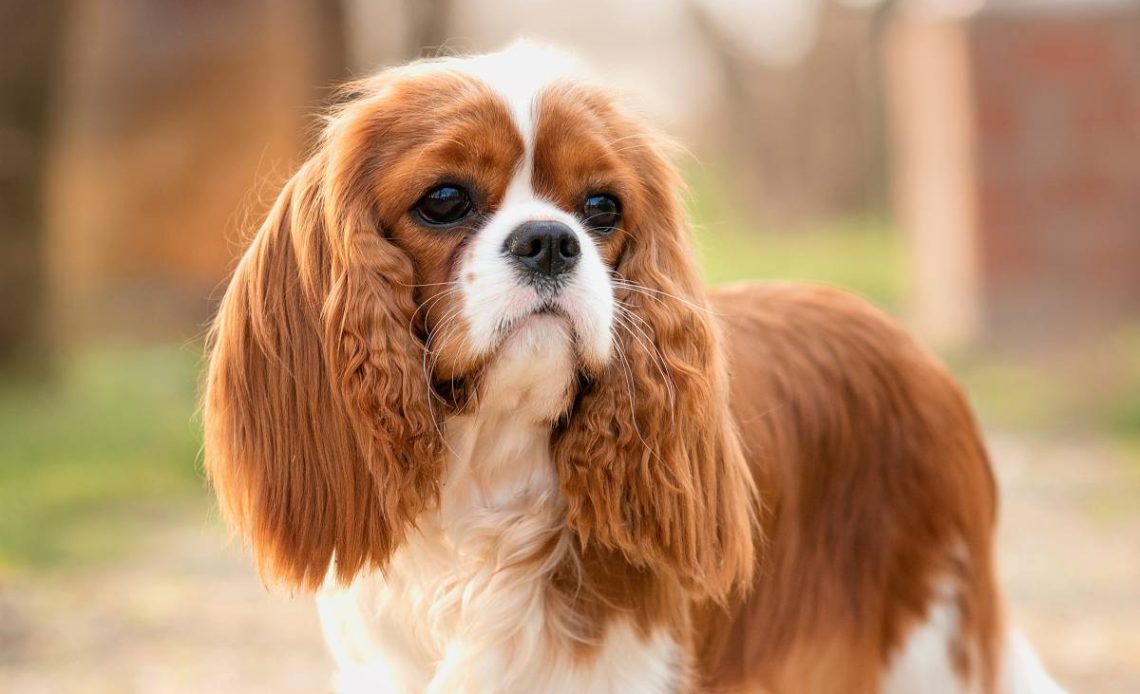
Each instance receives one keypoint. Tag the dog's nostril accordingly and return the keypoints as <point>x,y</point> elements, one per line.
<point>534,248</point>
<point>568,246</point>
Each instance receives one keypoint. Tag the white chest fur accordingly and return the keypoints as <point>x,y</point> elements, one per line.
<point>464,605</point>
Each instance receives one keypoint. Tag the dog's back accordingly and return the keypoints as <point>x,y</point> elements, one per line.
<point>879,506</point>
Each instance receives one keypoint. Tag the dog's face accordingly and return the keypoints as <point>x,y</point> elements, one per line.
<point>467,223</point>
<point>514,191</point>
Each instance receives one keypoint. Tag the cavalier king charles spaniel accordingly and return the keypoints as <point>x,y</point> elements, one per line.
<point>467,384</point>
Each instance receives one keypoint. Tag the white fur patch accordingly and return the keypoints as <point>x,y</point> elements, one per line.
<point>462,606</point>
<point>924,663</point>
<point>1022,672</point>
<point>494,296</point>
<point>519,73</point>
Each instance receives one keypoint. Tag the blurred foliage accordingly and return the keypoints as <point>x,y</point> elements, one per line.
<point>1124,418</point>
<point>1086,388</point>
<point>87,461</point>
<point>861,254</point>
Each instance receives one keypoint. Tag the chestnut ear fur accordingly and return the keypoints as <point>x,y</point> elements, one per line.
<point>650,461</point>
<point>319,437</point>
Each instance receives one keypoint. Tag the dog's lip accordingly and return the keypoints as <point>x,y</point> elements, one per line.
<point>544,312</point>
<point>546,308</point>
<point>549,309</point>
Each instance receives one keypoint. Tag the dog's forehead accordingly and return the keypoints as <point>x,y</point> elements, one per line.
<point>555,120</point>
<point>517,75</point>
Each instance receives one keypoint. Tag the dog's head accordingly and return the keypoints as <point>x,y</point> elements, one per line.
<point>459,217</point>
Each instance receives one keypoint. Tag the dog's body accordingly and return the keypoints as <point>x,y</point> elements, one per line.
<point>571,468</point>
<point>877,573</point>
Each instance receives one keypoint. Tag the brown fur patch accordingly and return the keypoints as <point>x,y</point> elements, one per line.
<point>875,484</point>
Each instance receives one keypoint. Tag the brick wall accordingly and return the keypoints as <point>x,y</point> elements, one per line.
<point>1017,168</point>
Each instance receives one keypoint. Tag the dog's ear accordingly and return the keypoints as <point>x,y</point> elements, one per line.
<point>649,459</point>
<point>319,435</point>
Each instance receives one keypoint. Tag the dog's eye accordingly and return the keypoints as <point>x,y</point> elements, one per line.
<point>444,205</point>
<point>601,213</point>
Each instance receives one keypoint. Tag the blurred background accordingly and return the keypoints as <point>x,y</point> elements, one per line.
<point>973,166</point>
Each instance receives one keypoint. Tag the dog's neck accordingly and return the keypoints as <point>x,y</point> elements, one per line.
<point>500,532</point>
<point>474,586</point>
<point>498,455</point>
<point>500,494</point>
<point>493,463</point>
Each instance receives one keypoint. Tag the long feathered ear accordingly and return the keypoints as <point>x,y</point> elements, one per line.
<point>649,459</point>
<point>319,438</point>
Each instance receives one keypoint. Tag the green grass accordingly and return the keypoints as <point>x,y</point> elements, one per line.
<point>864,255</point>
<point>1124,418</point>
<point>1090,388</point>
<point>1012,394</point>
<point>85,462</point>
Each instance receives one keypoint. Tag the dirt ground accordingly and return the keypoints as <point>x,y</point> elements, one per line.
<point>185,612</point>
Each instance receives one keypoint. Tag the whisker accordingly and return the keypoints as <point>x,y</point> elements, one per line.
<point>429,284</point>
<point>600,214</point>
<point>656,359</point>
<point>430,303</point>
<point>632,404</point>
<point>432,340</point>
<point>646,340</point>
<point>653,293</point>
<point>427,371</point>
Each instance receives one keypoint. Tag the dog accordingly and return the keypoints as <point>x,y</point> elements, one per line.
<point>467,385</point>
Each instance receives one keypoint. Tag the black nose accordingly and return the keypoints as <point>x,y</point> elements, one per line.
<point>544,248</point>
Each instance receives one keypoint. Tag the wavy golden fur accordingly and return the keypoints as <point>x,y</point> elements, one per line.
<point>319,436</point>
<point>649,457</point>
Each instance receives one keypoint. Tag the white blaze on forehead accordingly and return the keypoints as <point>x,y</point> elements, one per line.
<point>494,297</point>
<point>519,73</point>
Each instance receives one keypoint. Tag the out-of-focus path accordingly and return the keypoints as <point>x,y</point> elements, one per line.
<point>185,612</point>
<point>1069,544</point>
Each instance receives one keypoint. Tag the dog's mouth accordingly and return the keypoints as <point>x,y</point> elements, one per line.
<point>544,311</point>
<point>547,326</point>
<point>550,309</point>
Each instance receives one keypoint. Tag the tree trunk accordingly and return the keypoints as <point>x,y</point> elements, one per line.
<point>30,38</point>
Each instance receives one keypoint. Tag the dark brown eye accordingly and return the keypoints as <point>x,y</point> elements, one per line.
<point>444,205</point>
<point>601,213</point>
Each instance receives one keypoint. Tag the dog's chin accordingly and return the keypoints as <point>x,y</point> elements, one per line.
<point>554,328</point>
<point>534,369</point>
<point>547,328</point>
